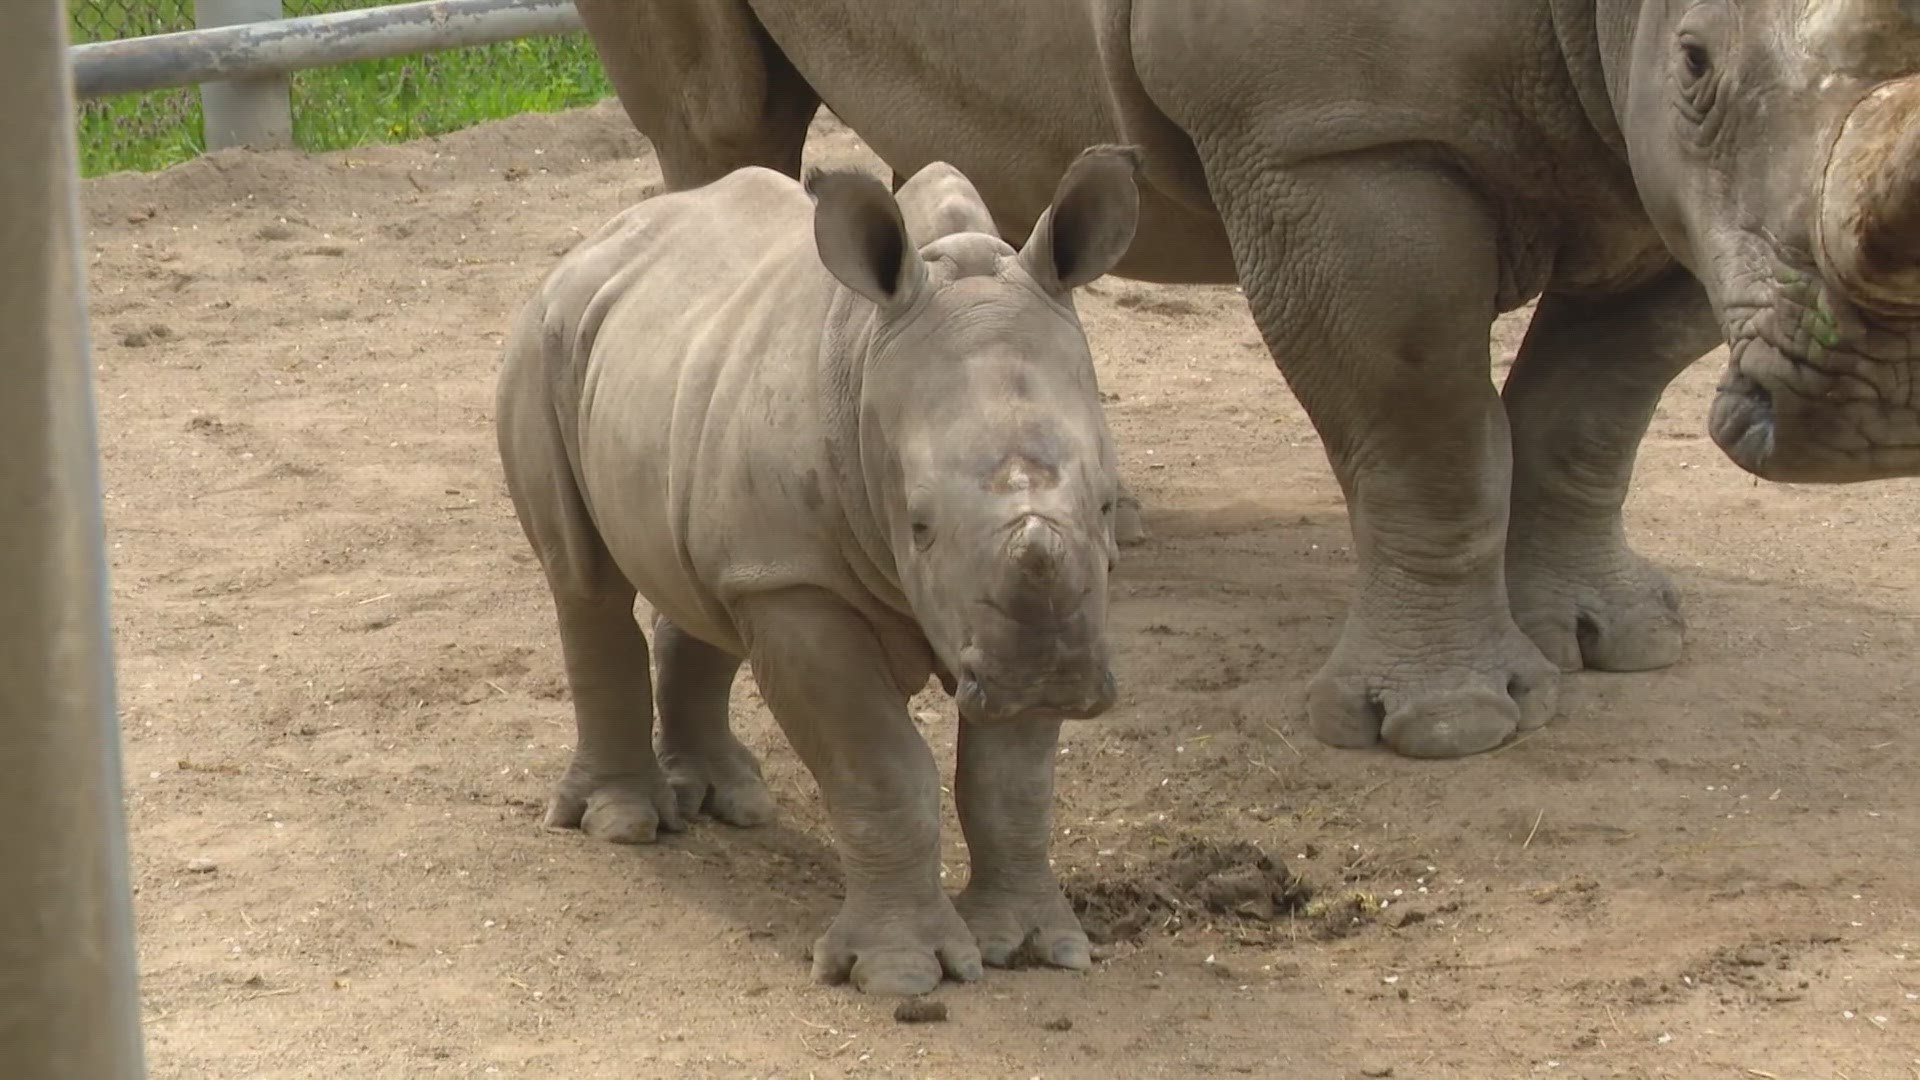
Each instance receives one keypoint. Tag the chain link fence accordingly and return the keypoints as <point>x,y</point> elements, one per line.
<point>333,108</point>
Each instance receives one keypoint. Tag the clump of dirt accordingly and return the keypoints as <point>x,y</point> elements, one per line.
<point>1764,970</point>
<point>920,1011</point>
<point>1198,884</point>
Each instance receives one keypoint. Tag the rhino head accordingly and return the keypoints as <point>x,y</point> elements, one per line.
<point>1776,144</point>
<point>986,456</point>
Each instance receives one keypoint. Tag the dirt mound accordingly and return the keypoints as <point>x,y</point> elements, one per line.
<point>1199,883</point>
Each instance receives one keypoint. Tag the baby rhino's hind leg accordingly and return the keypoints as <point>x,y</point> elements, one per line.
<point>709,768</point>
<point>614,790</point>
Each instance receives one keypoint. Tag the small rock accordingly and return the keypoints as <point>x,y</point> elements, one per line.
<point>1058,1023</point>
<point>201,866</point>
<point>1378,1071</point>
<point>920,1011</point>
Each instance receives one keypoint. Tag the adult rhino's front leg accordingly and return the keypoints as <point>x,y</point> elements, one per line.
<point>826,679</point>
<point>1373,282</point>
<point>1579,399</point>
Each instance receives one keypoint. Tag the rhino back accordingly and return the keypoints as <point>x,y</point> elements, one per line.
<point>695,361</point>
<point>1009,92</point>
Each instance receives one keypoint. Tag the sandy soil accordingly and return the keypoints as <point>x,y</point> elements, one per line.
<point>343,705</point>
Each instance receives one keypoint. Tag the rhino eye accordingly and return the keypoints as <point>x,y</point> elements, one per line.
<point>922,535</point>
<point>1695,58</point>
<point>1106,507</point>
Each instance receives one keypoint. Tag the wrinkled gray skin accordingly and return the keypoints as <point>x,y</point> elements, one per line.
<point>1383,177</point>
<point>855,461</point>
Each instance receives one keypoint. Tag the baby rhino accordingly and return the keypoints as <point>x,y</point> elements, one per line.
<point>855,443</point>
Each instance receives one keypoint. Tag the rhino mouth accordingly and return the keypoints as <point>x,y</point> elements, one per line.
<point>983,702</point>
<point>1082,693</point>
<point>1741,421</point>
<point>1815,392</point>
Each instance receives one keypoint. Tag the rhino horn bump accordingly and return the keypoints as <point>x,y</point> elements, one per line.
<point>1869,226</point>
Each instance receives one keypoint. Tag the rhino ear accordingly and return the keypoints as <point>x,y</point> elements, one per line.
<point>1091,222</point>
<point>861,236</point>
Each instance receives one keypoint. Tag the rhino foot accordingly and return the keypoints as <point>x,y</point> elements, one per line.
<point>615,809</point>
<point>1013,929</point>
<point>893,949</point>
<point>724,782</point>
<point>1425,699</point>
<point>1614,611</point>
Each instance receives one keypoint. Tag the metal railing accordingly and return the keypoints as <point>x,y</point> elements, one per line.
<point>240,52</point>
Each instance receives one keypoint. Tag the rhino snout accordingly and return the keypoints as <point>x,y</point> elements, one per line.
<point>983,698</point>
<point>1741,422</point>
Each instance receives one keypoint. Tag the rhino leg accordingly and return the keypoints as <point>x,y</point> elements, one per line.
<point>1003,788</point>
<point>1580,398</point>
<point>1373,281</point>
<point>614,790</point>
<point>826,679</point>
<point>704,83</point>
<point>709,768</point>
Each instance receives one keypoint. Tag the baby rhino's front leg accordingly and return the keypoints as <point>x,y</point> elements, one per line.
<point>826,679</point>
<point>1003,785</point>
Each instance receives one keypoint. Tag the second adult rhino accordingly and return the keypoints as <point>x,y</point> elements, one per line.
<point>1384,177</point>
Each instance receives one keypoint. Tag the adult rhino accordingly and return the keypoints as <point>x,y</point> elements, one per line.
<point>1384,177</point>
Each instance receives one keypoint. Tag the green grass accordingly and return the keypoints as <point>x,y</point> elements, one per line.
<point>373,101</point>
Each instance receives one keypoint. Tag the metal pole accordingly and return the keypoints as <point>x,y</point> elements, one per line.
<point>255,113</point>
<point>68,1001</point>
<point>162,61</point>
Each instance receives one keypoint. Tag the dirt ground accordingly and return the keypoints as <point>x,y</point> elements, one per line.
<point>343,705</point>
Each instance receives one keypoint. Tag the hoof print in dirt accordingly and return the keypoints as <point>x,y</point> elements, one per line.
<point>1232,886</point>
